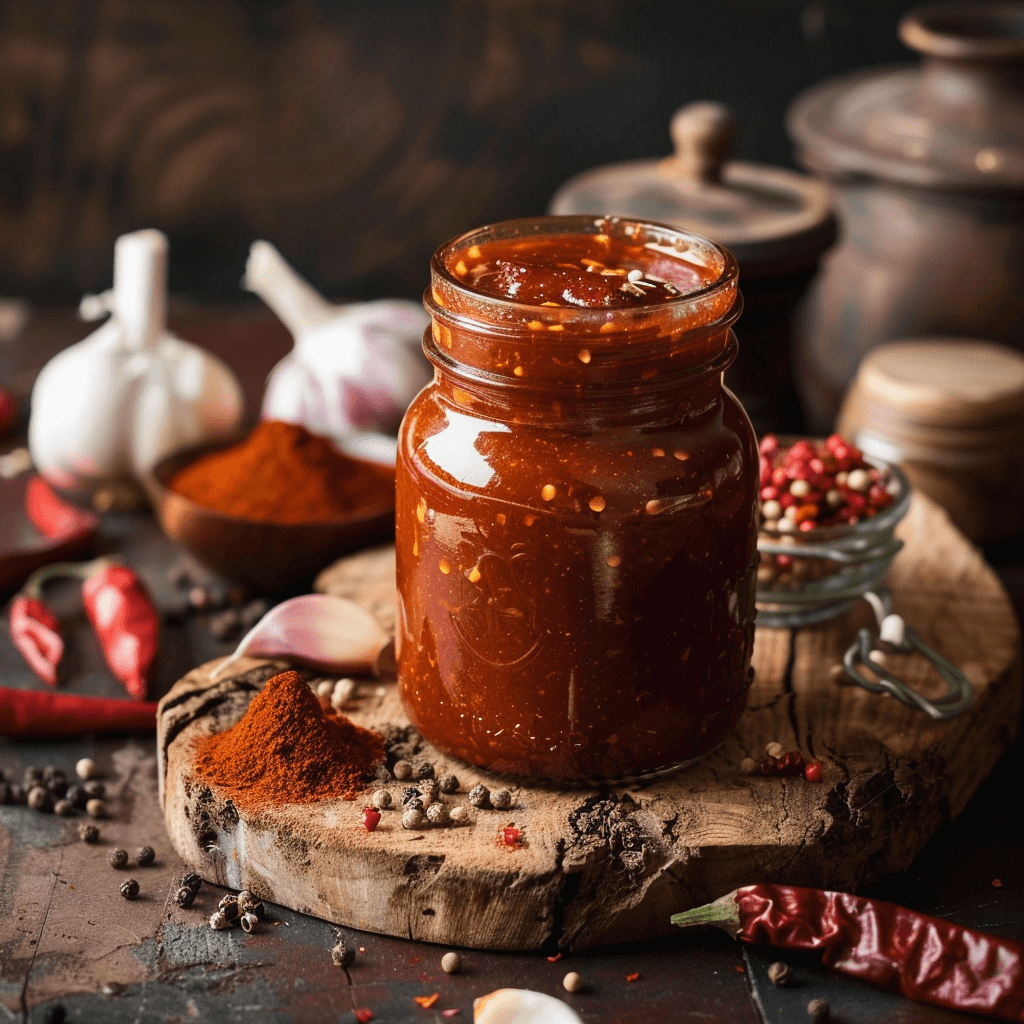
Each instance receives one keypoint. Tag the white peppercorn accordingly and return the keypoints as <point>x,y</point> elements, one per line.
<point>39,799</point>
<point>459,814</point>
<point>249,923</point>
<point>65,808</point>
<point>451,963</point>
<point>438,814</point>
<point>572,982</point>
<point>85,768</point>
<point>412,818</point>
<point>96,808</point>
<point>402,770</point>
<point>219,920</point>
<point>382,799</point>
<point>324,689</point>
<point>341,954</point>
<point>430,788</point>
<point>344,691</point>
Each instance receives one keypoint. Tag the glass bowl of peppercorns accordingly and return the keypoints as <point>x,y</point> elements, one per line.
<point>826,523</point>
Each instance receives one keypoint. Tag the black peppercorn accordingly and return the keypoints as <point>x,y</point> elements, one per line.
<point>5,794</point>
<point>88,833</point>
<point>77,796</point>
<point>118,858</point>
<point>192,881</point>
<point>480,796</point>
<point>95,789</point>
<point>449,784</point>
<point>57,786</point>
<point>145,856</point>
<point>184,896</point>
<point>382,774</point>
<point>32,777</point>
<point>18,795</point>
<point>65,808</point>
<point>342,955</point>
<point>51,773</point>
<point>130,889</point>
<point>424,771</point>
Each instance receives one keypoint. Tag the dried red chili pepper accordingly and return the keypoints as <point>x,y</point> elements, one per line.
<point>49,713</point>
<point>36,634</point>
<point>52,516</point>
<point>924,958</point>
<point>125,623</point>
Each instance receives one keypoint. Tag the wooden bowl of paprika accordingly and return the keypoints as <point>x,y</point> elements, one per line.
<point>272,511</point>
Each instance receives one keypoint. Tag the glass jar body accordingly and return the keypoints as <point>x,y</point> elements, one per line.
<point>576,570</point>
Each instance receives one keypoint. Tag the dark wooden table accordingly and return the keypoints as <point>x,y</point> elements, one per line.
<point>72,949</point>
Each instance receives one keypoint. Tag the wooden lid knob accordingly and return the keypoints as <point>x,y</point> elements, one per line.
<point>703,133</point>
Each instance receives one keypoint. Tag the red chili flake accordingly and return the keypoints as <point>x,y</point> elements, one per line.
<point>633,977</point>
<point>371,818</point>
<point>415,960</point>
<point>739,969</point>
<point>554,959</point>
<point>812,771</point>
<point>453,1012</point>
<point>428,1001</point>
<point>364,1015</point>
<point>996,884</point>
<point>511,838</point>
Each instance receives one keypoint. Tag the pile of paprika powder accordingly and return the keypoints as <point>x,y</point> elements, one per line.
<point>282,473</point>
<point>286,749</point>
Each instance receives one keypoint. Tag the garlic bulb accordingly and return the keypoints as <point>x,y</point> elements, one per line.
<point>113,405</point>
<point>355,367</point>
<point>522,1006</point>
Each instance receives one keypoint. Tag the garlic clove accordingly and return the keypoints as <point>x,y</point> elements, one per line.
<point>522,1006</point>
<point>324,632</point>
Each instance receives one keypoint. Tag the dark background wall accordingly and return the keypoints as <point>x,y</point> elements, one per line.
<point>359,134</point>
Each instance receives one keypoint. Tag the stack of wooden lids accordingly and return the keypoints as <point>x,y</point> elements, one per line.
<point>951,412</point>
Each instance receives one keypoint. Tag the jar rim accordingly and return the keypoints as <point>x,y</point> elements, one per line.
<point>727,271</point>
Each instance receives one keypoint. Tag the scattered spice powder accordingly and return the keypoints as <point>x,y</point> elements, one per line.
<point>288,749</point>
<point>282,473</point>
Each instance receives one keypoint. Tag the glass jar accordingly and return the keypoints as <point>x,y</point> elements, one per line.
<point>576,528</point>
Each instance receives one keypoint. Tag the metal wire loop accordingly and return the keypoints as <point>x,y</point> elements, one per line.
<point>895,636</point>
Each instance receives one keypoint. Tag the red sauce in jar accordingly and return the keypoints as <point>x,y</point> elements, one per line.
<point>576,502</point>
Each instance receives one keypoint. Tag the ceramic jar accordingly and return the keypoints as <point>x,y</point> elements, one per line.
<point>927,168</point>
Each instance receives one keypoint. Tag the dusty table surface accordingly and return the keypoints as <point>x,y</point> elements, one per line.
<point>71,949</point>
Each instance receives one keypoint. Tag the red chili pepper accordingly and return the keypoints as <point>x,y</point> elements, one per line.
<point>8,411</point>
<point>51,515</point>
<point>36,634</point>
<point>924,958</point>
<point>49,713</point>
<point>125,624</point>
<point>121,614</point>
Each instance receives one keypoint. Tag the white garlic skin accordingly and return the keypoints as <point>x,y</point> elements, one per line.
<point>522,1006</point>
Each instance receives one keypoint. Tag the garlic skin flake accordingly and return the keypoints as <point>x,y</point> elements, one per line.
<point>331,634</point>
<point>354,367</point>
<point>522,1006</point>
<point>113,405</point>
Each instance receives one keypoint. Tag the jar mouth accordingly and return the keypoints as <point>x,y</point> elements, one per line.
<point>965,31</point>
<point>671,241</point>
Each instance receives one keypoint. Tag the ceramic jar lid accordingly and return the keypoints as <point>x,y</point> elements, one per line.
<point>774,221</point>
<point>946,382</point>
<point>954,121</point>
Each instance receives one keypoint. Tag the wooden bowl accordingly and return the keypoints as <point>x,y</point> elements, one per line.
<point>266,557</point>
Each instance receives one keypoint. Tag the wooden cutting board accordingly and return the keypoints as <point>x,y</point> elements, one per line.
<point>613,864</point>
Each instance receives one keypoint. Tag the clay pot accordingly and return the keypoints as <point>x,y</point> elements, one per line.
<point>774,221</point>
<point>927,168</point>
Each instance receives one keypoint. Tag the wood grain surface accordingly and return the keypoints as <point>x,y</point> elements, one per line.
<point>612,864</point>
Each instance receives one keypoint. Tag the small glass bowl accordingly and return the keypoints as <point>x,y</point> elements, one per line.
<point>832,566</point>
